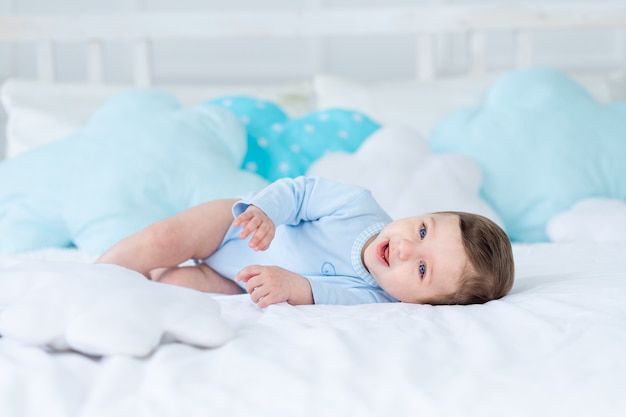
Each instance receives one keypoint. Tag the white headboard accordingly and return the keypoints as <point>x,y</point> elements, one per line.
<point>424,23</point>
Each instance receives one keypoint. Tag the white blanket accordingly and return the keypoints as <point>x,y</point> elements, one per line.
<point>553,347</point>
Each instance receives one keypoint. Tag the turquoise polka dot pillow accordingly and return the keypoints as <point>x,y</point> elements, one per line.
<point>543,144</point>
<point>282,147</point>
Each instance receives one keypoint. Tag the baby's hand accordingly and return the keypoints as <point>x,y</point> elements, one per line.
<point>271,284</point>
<point>256,223</point>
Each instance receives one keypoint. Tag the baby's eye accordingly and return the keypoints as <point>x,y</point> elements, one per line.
<point>423,231</point>
<point>422,269</point>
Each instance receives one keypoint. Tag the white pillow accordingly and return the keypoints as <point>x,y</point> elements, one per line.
<point>421,105</point>
<point>40,112</point>
<point>590,220</point>
<point>102,309</point>
<point>406,179</point>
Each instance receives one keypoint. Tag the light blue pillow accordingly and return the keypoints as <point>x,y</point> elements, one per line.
<point>140,158</point>
<point>282,147</point>
<point>543,144</point>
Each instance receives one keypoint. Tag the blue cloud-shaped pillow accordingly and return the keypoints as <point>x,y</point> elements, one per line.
<point>282,147</point>
<point>543,144</point>
<point>140,158</point>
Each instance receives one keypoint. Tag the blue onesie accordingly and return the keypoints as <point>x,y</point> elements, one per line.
<point>321,228</point>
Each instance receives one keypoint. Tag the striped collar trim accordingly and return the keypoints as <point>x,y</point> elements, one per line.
<point>357,247</point>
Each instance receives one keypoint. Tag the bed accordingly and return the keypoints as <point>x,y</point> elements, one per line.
<point>538,149</point>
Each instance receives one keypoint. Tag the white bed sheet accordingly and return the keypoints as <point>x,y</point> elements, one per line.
<point>553,347</point>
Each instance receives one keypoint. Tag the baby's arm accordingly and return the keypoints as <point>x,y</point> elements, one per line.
<point>290,201</point>
<point>255,222</point>
<point>192,234</point>
<point>271,284</point>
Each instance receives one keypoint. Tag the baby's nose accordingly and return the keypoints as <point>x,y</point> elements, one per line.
<point>406,249</point>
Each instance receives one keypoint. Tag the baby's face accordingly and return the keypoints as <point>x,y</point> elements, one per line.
<point>417,258</point>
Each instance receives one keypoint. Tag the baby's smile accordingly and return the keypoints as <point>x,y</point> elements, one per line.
<point>383,253</point>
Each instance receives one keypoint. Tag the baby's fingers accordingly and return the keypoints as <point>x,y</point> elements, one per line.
<point>243,219</point>
<point>262,237</point>
<point>249,227</point>
<point>254,222</point>
<point>263,297</point>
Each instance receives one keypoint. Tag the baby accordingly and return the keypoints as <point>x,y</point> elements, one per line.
<point>310,240</point>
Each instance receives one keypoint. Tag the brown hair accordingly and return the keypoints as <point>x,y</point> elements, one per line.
<point>491,269</point>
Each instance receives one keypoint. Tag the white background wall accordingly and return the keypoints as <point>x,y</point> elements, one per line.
<point>262,60</point>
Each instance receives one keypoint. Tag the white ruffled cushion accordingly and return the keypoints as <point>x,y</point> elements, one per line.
<point>590,220</point>
<point>405,177</point>
<point>103,309</point>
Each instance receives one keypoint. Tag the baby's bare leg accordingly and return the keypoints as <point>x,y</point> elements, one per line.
<point>195,233</point>
<point>200,277</point>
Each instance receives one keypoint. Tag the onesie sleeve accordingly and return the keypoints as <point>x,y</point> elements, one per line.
<point>290,201</point>
<point>324,293</point>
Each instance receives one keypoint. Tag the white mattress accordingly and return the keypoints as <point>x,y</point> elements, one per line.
<point>553,347</point>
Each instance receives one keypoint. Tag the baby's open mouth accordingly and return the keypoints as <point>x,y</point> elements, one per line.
<point>384,253</point>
